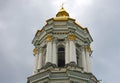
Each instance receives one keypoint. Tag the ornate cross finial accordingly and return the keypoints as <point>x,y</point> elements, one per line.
<point>63,1</point>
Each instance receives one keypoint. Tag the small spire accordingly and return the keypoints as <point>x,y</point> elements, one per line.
<point>62,4</point>
<point>62,12</point>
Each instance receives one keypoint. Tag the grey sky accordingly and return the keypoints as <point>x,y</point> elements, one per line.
<point>20,19</point>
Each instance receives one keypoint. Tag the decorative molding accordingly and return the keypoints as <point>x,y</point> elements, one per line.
<point>61,33</point>
<point>72,64</point>
<point>49,64</point>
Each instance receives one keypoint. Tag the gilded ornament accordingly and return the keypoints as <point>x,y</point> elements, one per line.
<point>88,48</point>
<point>35,51</point>
<point>62,13</point>
<point>71,37</point>
<point>49,38</point>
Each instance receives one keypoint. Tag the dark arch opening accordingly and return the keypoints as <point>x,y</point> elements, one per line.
<point>61,57</point>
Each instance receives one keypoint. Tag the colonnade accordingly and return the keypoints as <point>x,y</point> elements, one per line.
<point>70,54</point>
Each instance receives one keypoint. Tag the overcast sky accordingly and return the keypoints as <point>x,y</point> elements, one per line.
<point>20,19</point>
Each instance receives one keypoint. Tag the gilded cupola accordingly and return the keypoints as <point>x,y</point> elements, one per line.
<point>62,13</point>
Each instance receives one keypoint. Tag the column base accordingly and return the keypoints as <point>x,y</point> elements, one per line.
<point>73,64</point>
<point>48,64</point>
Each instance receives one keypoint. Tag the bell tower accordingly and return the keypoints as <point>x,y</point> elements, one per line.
<point>62,52</point>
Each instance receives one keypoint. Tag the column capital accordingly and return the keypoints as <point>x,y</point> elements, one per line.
<point>49,38</point>
<point>72,37</point>
<point>88,48</point>
<point>35,51</point>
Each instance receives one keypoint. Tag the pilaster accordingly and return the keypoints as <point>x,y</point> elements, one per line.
<point>67,52</point>
<point>49,49</point>
<point>54,55</point>
<point>72,48</point>
<point>84,65</point>
<point>88,50</point>
<point>40,59</point>
<point>35,51</point>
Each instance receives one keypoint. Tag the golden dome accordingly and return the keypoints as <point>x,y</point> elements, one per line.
<point>62,13</point>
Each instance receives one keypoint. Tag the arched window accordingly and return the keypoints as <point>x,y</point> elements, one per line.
<point>61,56</point>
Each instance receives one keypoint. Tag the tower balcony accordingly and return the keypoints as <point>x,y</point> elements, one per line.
<point>68,74</point>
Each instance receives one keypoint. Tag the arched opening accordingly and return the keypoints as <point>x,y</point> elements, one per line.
<point>61,57</point>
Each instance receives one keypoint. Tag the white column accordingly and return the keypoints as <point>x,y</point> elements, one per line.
<point>88,61</point>
<point>40,60</point>
<point>90,69</point>
<point>49,52</point>
<point>72,52</point>
<point>84,59</point>
<point>67,52</point>
<point>35,63</point>
<point>54,58</point>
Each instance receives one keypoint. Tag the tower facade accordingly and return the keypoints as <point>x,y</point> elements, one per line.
<point>62,52</point>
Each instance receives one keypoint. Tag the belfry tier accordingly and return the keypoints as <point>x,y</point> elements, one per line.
<point>62,42</point>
